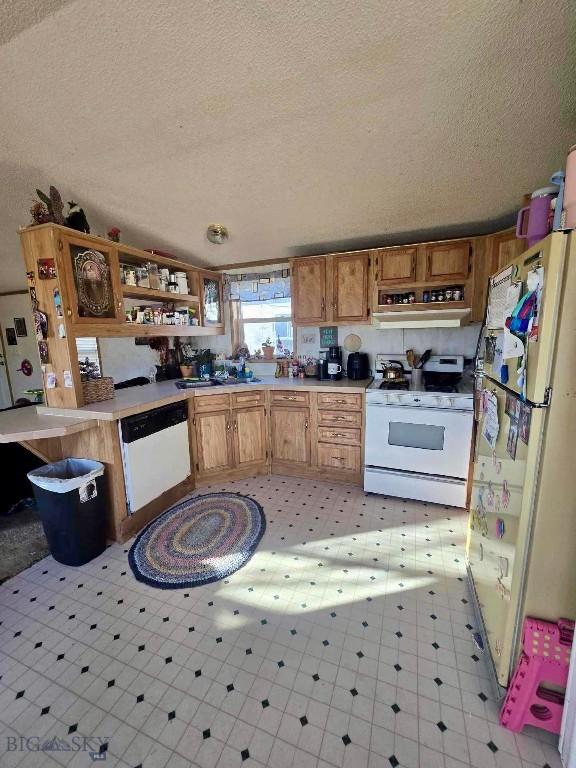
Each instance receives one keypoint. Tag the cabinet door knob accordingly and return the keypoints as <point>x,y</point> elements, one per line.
<point>69,313</point>
<point>306,424</point>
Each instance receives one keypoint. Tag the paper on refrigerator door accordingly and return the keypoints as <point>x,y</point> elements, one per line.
<point>497,299</point>
<point>490,425</point>
<point>512,346</point>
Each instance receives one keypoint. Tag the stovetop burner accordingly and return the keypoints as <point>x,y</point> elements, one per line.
<point>394,384</point>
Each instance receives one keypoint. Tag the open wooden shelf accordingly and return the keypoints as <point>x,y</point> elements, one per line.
<point>151,294</point>
<point>143,329</point>
<point>383,308</point>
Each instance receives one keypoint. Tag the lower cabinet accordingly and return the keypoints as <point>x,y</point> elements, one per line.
<point>213,445</point>
<point>345,458</point>
<point>308,434</point>
<point>249,426</point>
<point>229,440</point>
<point>290,435</point>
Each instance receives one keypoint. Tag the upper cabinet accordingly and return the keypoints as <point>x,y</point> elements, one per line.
<point>502,248</point>
<point>211,293</point>
<point>448,261</point>
<point>309,290</point>
<point>93,283</point>
<point>82,285</point>
<point>350,287</point>
<point>330,289</point>
<point>396,265</point>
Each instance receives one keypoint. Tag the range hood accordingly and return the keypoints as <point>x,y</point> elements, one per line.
<point>422,318</point>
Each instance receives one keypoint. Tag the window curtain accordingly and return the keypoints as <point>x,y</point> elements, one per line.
<point>257,286</point>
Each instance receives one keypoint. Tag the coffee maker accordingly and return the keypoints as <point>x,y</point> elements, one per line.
<point>322,371</point>
<point>334,363</point>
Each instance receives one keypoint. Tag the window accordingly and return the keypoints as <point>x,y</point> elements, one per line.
<point>261,309</point>
<point>269,319</point>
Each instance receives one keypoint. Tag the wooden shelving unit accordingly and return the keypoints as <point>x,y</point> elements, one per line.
<point>151,294</point>
<point>122,330</point>
<point>422,305</point>
<point>85,297</point>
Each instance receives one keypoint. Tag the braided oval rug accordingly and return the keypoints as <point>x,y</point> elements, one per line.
<point>198,541</point>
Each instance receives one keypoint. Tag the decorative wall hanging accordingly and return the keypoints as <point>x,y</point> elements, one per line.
<point>20,326</point>
<point>43,352</point>
<point>33,297</point>
<point>46,269</point>
<point>58,303</point>
<point>11,339</point>
<point>40,325</point>
<point>26,368</point>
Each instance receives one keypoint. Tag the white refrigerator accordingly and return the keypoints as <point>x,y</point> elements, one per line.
<point>521,550</point>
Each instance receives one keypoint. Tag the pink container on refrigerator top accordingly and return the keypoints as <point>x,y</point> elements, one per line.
<point>570,189</point>
<point>533,222</point>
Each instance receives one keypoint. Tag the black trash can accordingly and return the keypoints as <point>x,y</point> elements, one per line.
<point>70,495</point>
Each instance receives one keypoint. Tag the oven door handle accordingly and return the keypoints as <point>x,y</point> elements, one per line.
<point>419,407</point>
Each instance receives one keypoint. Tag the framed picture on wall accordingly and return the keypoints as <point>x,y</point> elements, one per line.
<point>11,337</point>
<point>20,326</point>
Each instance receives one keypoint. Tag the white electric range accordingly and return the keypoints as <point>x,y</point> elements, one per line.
<point>418,443</point>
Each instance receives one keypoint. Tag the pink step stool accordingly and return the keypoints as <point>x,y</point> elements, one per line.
<point>545,658</point>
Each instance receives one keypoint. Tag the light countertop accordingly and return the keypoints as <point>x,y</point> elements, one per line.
<point>139,399</point>
<point>28,423</point>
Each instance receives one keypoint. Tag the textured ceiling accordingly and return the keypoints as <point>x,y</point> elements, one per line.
<point>300,125</point>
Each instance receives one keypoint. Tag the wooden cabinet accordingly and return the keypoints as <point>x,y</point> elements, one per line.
<point>289,397</point>
<point>309,290</point>
<point>76,280</point>
<point>229,440</point>
<point>330,289</point>
<point>290,434</point>
<point>339,399</point>
<point>249,436</point>
<point>502,248</point>
<point>342,418</point>
<point>211,299</point>
<point>350,287</point>
<point>446,262</point>
<point>396,265</point>
<point>93,284</point>
<point>213,442</point>
<point>343,458</point>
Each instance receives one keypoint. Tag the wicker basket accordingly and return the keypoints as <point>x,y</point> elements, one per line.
<point>96,390</point>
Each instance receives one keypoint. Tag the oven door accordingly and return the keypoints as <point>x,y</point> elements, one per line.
<point>434,441</point>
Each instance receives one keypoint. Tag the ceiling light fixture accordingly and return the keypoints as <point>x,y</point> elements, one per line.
<point>217,233</point>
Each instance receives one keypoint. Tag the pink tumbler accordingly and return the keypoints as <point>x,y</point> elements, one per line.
<point>570,189</point>
<point>534,220</point>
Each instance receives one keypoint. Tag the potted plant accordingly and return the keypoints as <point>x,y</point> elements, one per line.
<point>268,349</point>
<point>188,367</point>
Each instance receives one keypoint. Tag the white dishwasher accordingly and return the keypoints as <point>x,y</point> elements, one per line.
<point>155,453</point>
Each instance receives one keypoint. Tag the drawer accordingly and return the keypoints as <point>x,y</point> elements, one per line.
<point>339,435</point>
<point>204,403</point>
<point>340,400</point>
<point>340,418</point>
<point>247,398</point>
<point>288,397</point>
<point>343,457</point>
